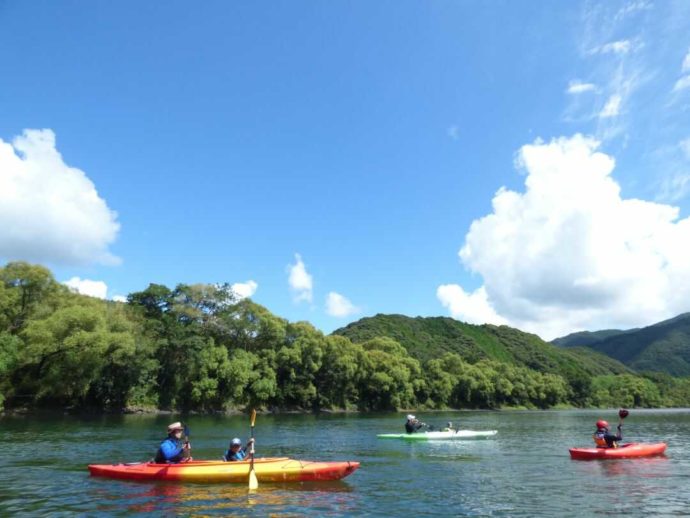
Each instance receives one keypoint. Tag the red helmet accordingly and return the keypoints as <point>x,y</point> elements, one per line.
<point>602,424</point>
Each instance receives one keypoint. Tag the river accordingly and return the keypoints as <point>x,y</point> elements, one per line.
<point>524,471</point>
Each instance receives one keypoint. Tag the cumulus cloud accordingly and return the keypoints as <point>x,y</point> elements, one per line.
<point>570,253</point>
<point>577,87</point>
<point>300,281</point>
<point>339,306</point>
<point>612,107</point>
<point>120,298</point>
<point>97,289</point>
<point>50,212</point>
<point>244,290</point>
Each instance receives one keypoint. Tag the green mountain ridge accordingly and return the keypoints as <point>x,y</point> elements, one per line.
<point>430,337</point>
<point>661,347</point>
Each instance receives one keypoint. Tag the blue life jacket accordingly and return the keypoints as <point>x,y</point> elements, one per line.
<point>169,451</point>
<point>238,455</point>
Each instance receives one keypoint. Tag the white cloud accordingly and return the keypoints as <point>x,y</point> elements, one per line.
<point>471,307</point>
<point>577,87</point>
<point>675,187</point>
<point>685,147</point>
<point>300,281</point>
<point>682,84</point>
<point>120,298</point>
<point>244,290</point>
<point>614,47</point>
<point>50,212</point>
<point>633,7</point>
<point>686,63</point>
<point>612,107</point>
<point>453,132</point>
<point>339,306</point>
<point>569,253</point>
<point>97,289</point>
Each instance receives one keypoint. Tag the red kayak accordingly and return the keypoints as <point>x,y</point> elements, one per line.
<point>625,451</point>
<point>280,469</point>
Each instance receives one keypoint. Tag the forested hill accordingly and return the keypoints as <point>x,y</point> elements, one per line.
<point>199,348</point>
<point>587,338</point>
<point>662,347</point>
<point>430,337</point>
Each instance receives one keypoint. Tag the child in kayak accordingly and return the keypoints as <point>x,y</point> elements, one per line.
<point>235,451</point>
<point>172,450</point>
<point>602,437</point>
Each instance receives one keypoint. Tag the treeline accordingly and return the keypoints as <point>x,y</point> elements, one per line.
<point>196,347</point>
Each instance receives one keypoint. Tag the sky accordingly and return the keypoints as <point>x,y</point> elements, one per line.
<point>512,162</point>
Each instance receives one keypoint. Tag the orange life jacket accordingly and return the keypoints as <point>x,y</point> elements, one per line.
<point>600,440</point>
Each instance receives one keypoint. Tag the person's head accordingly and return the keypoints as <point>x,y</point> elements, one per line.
<point>602,425</point>
<point>235,444</point>
<point>449,424</point>
<point>175,429</point>
<point>410,417</point>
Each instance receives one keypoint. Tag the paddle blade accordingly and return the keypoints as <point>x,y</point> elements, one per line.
<point>253,481</point>
<point>253,416</point>
<point>623,413</point>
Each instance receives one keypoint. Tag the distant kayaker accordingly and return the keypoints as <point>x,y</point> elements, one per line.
<point>413,424</point>
<point>236,451</point>
<point>173,450</point>
<point>602,437</point>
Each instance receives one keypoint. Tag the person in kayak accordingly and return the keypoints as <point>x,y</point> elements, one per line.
<point>413,424</point>
<point>235,451</point>
<point>602,437</point>
<point>173,450</point>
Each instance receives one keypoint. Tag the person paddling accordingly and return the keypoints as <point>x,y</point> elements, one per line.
<point>173,450</point>
<point>235,451</point>
<point>413,424</point>
<point>604,439</point>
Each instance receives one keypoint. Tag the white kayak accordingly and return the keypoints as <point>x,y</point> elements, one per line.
<point>447,435</point>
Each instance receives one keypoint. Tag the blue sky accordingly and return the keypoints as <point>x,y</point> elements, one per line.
<point>512,162</point>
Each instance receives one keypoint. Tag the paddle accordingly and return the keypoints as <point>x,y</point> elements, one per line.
<point>253,481</point>
<point>186,454</point>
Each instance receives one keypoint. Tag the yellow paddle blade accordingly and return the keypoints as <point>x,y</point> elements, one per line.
<point>253,416</point>
<point>253,481</point>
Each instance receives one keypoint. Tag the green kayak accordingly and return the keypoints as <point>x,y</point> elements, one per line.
<point>448,435</point>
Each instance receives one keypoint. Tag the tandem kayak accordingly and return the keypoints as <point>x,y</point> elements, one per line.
<point>440,436</point>
<point>280,469</point>
<point>625,451</point>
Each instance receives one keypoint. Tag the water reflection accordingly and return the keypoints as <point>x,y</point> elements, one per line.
<point>223,498</point>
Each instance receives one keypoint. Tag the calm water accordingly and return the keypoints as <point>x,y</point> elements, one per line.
<point>525,471</point>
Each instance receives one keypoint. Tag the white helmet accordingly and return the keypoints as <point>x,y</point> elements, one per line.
<point>410,417</point>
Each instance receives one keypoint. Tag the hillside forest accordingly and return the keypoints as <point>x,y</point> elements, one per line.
<point>198,348</point>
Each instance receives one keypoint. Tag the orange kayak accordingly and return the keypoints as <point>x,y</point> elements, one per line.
<point>625,451</point>
<point>281,469</point>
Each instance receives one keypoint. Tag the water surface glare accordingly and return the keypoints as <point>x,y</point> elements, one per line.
<point>524,471</point>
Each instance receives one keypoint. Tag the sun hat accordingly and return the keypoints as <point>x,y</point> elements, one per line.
<point>175,426</point>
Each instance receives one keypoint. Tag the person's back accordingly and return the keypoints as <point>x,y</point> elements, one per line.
<point>412,424</point>
<point>602,437</point>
